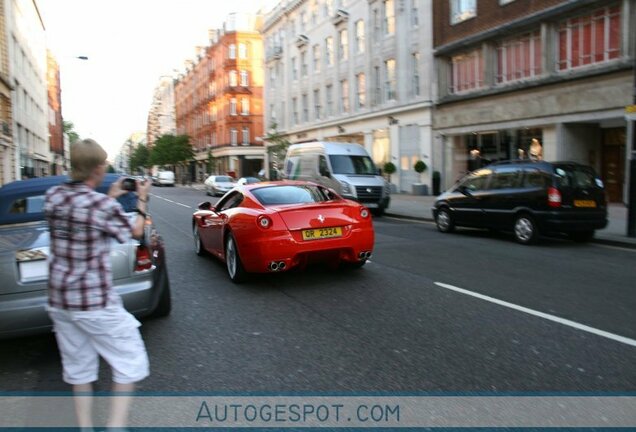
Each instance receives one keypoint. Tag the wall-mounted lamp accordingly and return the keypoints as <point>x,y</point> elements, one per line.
<point>341,129</point>
<point>393,120</point>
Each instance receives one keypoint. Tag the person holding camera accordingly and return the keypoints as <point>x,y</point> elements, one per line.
<point>88,316</point>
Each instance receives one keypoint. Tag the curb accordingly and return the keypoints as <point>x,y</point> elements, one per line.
<point>604,241</point>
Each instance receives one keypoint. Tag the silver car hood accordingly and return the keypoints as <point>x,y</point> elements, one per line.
<point>24,250</point>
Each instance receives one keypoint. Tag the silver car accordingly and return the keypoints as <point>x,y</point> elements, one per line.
<point>218,184</point>
<point>140,274</point>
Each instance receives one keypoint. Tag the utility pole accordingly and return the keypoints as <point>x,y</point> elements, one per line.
<point>631,204</point>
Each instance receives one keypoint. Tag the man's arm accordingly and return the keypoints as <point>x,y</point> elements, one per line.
<point>143,189</point>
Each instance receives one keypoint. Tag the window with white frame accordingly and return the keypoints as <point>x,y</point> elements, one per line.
<point>232,51</point>
<point>316,50</point>
<point>233,106</point>
<point>390,83</point>
<point>303,21</point>
<point>233,78</point>
<point>294,67</point>
<point>344,44</point>
<point>519,58</point>
<point>294,111</point>
<point>591,38</point>
<point>317,107</point>
<point>329,55</point>
<point>272,113</point>
<point>361,94</point>
<point>329,99</point>
<point>305,102</point>
<point>467,71</point>
<point>244,78</point>
<point>344,93</point>
<point>415,18</point>
<point>415,74</point>
<point>389,17</point>
<point>233,136</point>
<point>462,10</point>
<point>377,24</point>
<point>245,106</point>
<point>303,64</point>
<point>242,51</point>
<point>246,136</point>
<point>360,36</point>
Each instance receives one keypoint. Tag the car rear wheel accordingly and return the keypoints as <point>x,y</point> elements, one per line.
<point>582,236</point>
<point>444,221</point>
<point>233,261</point>
<point>198,244</point>
<point>525,230</point>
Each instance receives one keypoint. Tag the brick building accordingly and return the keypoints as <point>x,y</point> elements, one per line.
<point>59,160</point>
<point>559,71</point>
<point>219,101</point>
<point>8,152</point>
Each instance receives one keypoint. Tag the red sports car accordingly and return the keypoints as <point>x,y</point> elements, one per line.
<point>276,226</point>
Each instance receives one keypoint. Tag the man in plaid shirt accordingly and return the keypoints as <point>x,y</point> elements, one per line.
<point>88,316</point>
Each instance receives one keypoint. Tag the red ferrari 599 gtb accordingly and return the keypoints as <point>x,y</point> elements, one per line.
<point>276,226</point>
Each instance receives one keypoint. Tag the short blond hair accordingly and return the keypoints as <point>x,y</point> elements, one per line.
<point>86,155</point>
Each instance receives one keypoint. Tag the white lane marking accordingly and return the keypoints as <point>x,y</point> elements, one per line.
<point>170,201</point>
<point>546,316</point>
<point>408,220</point>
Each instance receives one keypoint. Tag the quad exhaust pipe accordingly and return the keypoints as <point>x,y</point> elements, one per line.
<point>364,255</point>
<point>276,266</point>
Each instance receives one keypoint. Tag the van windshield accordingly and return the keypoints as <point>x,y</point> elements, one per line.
<point>345,164</point>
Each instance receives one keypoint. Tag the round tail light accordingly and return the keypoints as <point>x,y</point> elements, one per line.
<point>264,221</point>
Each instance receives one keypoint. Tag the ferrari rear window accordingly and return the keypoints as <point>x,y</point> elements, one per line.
<point>289,194</point>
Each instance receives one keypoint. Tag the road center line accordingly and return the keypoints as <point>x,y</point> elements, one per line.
<point>170,201</point>
<point>546,316</point>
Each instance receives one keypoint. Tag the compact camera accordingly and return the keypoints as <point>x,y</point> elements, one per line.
<point>129,184</point>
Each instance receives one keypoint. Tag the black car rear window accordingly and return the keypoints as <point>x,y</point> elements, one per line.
<point>289,194</point>
<point>575,176</point>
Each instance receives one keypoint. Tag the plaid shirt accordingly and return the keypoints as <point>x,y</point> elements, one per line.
<point>82,223</point>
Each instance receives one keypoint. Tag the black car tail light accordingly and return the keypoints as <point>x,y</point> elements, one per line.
<point>554,197</point>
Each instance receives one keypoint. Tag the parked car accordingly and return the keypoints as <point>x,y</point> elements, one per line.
<point>139,267</point>
<point>163,178</point>
<point>528,198</point>
<point>248,180</point>
<point>218,184</point>
<point>277,226</point>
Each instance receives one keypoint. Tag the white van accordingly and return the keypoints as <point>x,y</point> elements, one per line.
<point>164,178</point>
<point>345,167</point>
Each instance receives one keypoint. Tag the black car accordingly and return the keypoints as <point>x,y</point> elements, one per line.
<point>528,198</point>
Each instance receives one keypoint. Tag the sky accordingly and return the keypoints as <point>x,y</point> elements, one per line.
<point>130,45</point>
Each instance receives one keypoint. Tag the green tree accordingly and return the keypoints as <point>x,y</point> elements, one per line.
<point>69,130</point>
<point>140,158</point>
<point>389,168</point>
<point>171,150</point>
<point>277,147</point>
<point>211,163</point>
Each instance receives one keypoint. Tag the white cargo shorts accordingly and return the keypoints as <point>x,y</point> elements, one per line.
<point>111,332</point>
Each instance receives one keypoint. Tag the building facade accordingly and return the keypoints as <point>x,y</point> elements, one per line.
<point>219,101</point>
<point>8,154</point>
<point>357,71</point>
<point>27,73</point>
<point>161,117</point>
<point>557,71</point>
<point>60,160</point>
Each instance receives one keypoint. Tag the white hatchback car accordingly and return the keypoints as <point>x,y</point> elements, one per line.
<point>218,184</point>
<point>164,178</point>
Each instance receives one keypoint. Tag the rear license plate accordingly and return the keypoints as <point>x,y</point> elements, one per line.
<point>31,271</point>
<point>321,233</point>
<point>584,203</point>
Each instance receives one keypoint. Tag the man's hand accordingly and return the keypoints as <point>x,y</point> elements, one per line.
<point>115,190</point>
<point>143,189</point>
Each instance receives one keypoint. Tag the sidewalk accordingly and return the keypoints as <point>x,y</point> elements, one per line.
<point>419,207</point>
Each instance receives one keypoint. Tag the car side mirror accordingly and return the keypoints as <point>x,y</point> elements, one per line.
<point>207,205</point>
<point>464,190</point>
